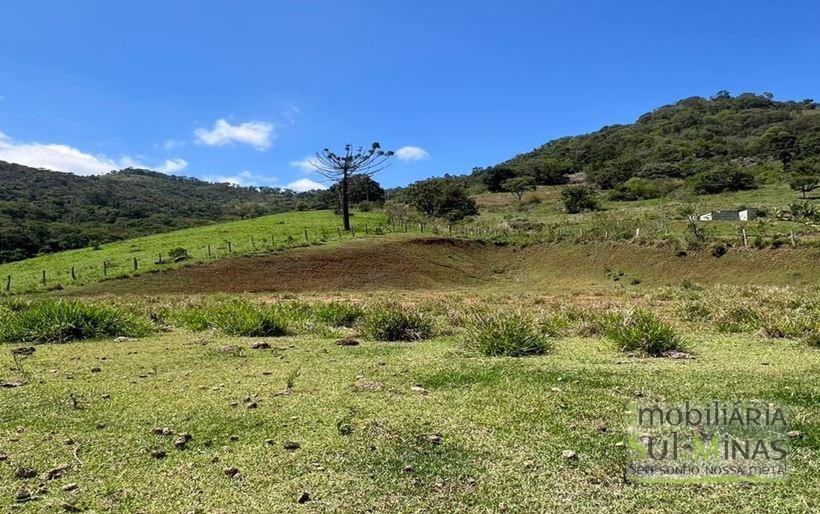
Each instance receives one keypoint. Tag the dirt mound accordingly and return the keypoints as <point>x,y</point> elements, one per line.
<point>428,263</point>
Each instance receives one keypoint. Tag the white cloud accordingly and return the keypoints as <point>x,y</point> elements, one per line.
<point>173,165</point>
<point>243,178</point>
<point>258,134</point>
<point>65,158</point>
<point>412,153</point>
<point>306,164</point>
<point>304,184</point>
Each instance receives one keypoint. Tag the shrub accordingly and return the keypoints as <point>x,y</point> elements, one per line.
<point>503,334</point>
<point>722,178</point>
<point>396,324</point>
<point>579,198</point>
<point>59,321</point>
<point>642,331</point>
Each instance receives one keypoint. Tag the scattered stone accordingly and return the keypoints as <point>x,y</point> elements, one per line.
<point>42,489</point>
<point>100,426</point>
<point>13,383</point>
<point>291,445</point>
<point>269,441</point>
<point>267,373</point>
<point>603,429</point>
<point>434,438</point>
<point>162,431</point>
<point>23,473</point>
<point>70,487</point>
<point>304,497</point>
<point>158,454</point>
<point>347,341</point>
<point>122,339</point>
<point>795,434</point>
<point>56,472</point>
<point>68,441</point>
<point>96,369</point>
<point>22,496</point>
<point>638,393</point>
<point>251,405</point>
<point>106,396</point>
<point>234,438</point>
<point>260,345</point>
<point>232,472</point>
<point>71,507</point>
<point>233,404</point>
<point>620,444</point>
<point>569,455</point>
<point>408,468</point>
<point>418,389</point>
<point>3,457</point>
<point>182,440</point>
<point>318,467</point>
<point>367,385</point>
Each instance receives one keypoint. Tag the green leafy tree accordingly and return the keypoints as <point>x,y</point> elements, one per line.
<point>722,178</point>
<point>804,183</point>
<point>494,178</point>
<point>519,185</point>
<point>441,198</point>
<point>579,199</point>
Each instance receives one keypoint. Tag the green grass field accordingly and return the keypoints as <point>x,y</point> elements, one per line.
<point>258,235</point>
<point>390,427</point>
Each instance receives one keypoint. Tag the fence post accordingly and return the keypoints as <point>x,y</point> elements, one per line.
<point>8,283</point>
<point>136,265</point>
<point>73,275</point>
<point>44,276</point>
<point>209,251</point>
<point>105,269</point>
<point>306,236</point>
<point>794,243</point>
<point>159,257</point>
<point>230,249</point>
<point>745,240</point>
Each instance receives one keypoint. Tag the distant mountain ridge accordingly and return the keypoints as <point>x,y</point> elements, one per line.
<point>46,211</point>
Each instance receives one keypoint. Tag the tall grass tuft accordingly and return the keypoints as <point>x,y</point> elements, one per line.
<point>643,332</point>
<point>397,324</point>
<point>337,314</point>
<point>504,334</point>
<point>236,318</point>
<point>62,321</point>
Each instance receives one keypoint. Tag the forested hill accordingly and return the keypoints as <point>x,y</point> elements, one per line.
<point>46,211</point>
<point>749,132</point>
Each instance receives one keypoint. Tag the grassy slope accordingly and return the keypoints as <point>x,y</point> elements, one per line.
<point>504,424</point>
<point>27,274</point>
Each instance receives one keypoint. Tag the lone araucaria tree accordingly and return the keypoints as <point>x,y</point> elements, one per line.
<point>342,168</point>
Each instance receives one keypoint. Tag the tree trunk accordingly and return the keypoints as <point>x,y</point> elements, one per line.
<point>345,206</point>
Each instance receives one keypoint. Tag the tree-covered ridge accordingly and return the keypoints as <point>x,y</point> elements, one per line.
<point>695,135</point>
<point>46,211</point>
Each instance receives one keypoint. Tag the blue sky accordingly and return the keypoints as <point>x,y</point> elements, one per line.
<point>246,90</point>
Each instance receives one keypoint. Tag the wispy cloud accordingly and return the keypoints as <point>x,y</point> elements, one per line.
<point>258,134</point>
<point>412,153</point>
<point>170,144</point>
<point>307,164</point>
<point>243,178</point>
<point>305,184</point>
<point>59,157</point>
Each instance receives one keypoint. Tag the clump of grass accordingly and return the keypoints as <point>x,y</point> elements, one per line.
<point>504,334</point>
<point>236,318</point>
<point>337,314</point>
<point>739,318</point>
<point>643,332</point>
<point>812,338</point>
<point>60,321</point>
<point>396,324</point>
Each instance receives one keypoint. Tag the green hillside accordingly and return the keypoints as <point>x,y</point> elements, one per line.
<point>45,211</point>
<point>265,233</point>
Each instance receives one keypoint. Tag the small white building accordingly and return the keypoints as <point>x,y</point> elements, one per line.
<point>738,215</point>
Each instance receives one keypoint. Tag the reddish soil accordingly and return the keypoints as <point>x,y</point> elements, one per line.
<point>424,263</point>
